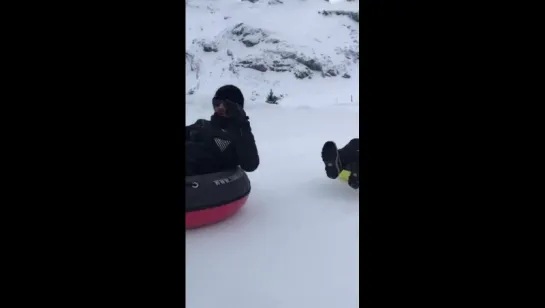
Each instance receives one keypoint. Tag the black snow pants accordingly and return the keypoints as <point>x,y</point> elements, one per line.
<point>198,160</point>
<point>350,155</point>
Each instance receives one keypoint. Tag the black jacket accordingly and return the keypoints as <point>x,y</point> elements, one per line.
<point>220,144</point>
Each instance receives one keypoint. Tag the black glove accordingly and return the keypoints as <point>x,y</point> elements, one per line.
<point>236,113</point>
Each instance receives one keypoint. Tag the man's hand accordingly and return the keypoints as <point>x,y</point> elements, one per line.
<point>236,112</point>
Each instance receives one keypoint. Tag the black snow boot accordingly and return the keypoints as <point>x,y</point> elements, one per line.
<point>354,178</point>
<point>332,160</point>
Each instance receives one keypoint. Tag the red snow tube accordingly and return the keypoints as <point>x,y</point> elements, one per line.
<point>211,198</point>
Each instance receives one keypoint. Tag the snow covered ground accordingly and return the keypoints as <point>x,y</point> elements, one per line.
<point>295,242</point>
<point>223,37</point>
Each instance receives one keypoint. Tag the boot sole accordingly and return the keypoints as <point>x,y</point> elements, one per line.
<point>330,156</point>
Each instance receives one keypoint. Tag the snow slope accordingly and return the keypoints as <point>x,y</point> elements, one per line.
<point>295,243</point>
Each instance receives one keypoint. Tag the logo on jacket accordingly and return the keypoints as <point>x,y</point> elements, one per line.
<point>222,144</point>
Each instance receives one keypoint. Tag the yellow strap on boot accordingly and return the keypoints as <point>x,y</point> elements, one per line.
<point>343,176</point>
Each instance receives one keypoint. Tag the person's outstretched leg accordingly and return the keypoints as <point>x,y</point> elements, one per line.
<point>350,152</point>
<point>354,178</point>
<point>332,160</point>
<point>350,156</point>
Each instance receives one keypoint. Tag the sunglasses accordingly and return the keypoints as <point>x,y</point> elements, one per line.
<point>218,101</point>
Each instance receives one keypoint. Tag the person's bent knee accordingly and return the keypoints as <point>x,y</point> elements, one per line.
<point>354,143</point>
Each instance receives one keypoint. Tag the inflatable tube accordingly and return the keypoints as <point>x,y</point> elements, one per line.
<point>211,198</point>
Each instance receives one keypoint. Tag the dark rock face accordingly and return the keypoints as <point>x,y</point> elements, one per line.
<point>330,73</point>
<point>207,46</point>
<point>247,35</point>
<point>253,64</point>
<point>302,73</point>
<point>192,72</point>
<point>312,64</point>
<point>267,56</point>
<point>355,16</point>
<point>192,63</point>
<point>249,42</point>
<point>264,53</point>
<point>270,2</point>
<point>302,66</point>
<point>349,53</point>
<point>278,66</point>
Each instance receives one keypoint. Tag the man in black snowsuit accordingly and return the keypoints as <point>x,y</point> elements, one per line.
<point>346,158</point>
<point>224,142</point>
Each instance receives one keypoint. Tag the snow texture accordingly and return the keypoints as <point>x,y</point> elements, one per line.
<point>305,50</point>
<point>296,241</point>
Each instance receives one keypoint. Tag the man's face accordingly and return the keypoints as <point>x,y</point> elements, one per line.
<point>219,107</point>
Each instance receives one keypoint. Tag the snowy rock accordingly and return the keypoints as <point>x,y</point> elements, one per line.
<point>270,2</point>
<point>302,72</point>
<point>355,16</point>
<point>247,35</point>
<point>207,46</point>
<point>256,64</point>
<point>272,44</point>
<point>192,64</point>
<point>349,53</point>
<point>192,73</point>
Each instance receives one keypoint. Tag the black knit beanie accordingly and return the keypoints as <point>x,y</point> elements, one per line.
<point>232,93</point>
